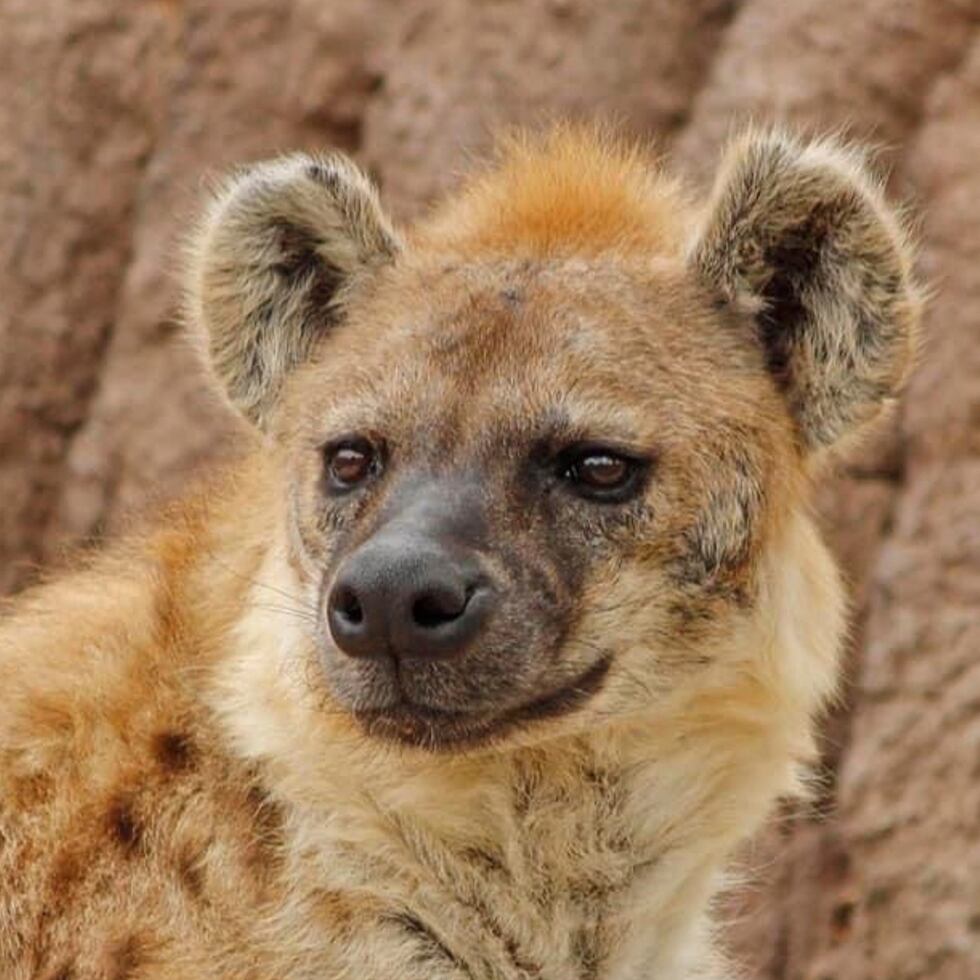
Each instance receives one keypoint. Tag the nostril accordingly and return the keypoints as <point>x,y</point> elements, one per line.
<point>347,606</point>
<point>439,606</point>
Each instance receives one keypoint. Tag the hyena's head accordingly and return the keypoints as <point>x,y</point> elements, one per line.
<point>538,449</point>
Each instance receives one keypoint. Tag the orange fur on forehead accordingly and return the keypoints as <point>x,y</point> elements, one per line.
<point>575,190</point>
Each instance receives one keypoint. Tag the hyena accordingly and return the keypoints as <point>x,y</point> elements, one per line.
<point>509,622</point>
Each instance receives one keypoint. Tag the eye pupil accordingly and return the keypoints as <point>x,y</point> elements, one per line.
<point>349,465</point>
<point>601,470</point>
<point>602,474</point>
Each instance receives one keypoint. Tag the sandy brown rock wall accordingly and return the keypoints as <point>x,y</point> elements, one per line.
<point>112,112</point>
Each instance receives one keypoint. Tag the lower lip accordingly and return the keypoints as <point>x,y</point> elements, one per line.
<point>435,728</point>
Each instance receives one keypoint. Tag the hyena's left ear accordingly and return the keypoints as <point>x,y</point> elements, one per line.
<point>799,235</point>
<point>281,248</point>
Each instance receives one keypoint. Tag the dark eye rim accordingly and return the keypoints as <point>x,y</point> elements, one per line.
<point>372,448</point>
<point>637,471</point>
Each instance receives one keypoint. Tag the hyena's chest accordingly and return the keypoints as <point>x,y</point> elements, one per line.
<point>549,894</point>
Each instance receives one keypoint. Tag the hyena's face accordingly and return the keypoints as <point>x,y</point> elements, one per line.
<point>531,477</point>
<point>508,476</point>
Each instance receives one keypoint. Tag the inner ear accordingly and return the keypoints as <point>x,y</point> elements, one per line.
<point>792,264</point>
<point>279,255</point>
<point>305,268</point>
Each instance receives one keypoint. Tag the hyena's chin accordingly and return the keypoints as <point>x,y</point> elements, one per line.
<point>400,719</point>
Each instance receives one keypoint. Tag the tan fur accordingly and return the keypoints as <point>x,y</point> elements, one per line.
<point>182,793</point>
<point>572,192</point>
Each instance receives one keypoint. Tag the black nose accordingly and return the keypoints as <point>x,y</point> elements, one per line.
<point>409,599</point>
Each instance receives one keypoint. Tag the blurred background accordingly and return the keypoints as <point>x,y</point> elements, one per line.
<point>112,112</point>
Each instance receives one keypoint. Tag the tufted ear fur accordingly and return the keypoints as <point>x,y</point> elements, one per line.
<point>799,235</point>
<point>275,257</point>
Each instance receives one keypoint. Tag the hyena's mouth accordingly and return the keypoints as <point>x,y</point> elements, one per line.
<point>439,729</point>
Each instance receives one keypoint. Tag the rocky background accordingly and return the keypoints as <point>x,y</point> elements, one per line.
<point>112,114</point>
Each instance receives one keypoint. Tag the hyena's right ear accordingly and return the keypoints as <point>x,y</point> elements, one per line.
<point>272,264</point>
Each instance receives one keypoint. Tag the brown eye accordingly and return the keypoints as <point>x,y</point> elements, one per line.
<point>350,463</point>
<point>602,474</point>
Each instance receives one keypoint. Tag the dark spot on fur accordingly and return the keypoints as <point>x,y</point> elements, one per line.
<point>190,874</point>
<point>715,552</point>
<point>267,817</point>
<point>488,863</point>
<point>586,948</point>
<point>259,801</point>
<point>524,966</point>
<point>66,971</point>
<point>124,827</point>
<point>597,779</point>
<point>173,750</point>
<point>527,967</point>
<point>429,946</point>
<point>512,296</point>
<point>126,957</point>
<point>324,175</point>
<point>66,872</point>
<point>590,893</point>
<point>33,789</point>
<point>527,786</point>
<point>340,909</point>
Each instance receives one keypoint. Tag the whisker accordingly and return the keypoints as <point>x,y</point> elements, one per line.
<point>251,579</point>
<point>303,615</point>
